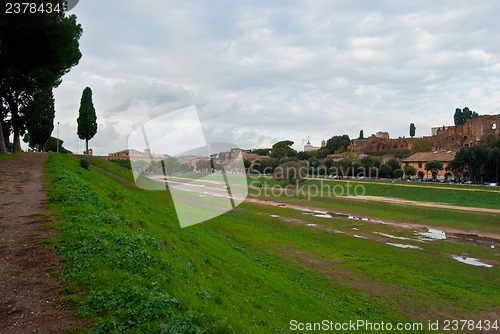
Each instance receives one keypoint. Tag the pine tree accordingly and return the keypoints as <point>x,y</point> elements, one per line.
<point>40,120</point>
<point>87,119</point>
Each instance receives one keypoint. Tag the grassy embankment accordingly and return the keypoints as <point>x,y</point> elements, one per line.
<point>129,265</point>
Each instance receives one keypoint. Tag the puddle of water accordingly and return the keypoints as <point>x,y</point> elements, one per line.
<point>275,216</point>
<point>309,211</point>
<point>472,261</point>
<point>311,225</point>
<point>360,236</point>
<point>403,246</point>
<point>323,216</point>
<point>391,236</point>
<point>432,234</point>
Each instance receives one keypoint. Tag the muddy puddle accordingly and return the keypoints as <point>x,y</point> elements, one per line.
<point>403,246</point>
<point>432,234</point>
<point>471,261</point>
<point>391,236</point>
<point>422,234</point>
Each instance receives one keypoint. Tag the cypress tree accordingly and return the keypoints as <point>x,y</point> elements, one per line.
<point>87,119</point>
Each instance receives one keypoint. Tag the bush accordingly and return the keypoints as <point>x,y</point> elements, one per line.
<point>293,171</point>
<point>398,173</point>
<point>84,163</point>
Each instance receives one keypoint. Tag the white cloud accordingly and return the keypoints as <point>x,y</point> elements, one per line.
<point>259,71</point>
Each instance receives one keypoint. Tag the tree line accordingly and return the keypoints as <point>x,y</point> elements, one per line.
<point>36,50</point>
<point>479,163</point>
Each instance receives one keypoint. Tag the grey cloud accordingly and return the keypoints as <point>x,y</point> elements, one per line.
<point>298,67</point>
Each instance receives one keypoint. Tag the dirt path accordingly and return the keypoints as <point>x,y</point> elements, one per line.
<point>29,295</point>
<point>423,204</point>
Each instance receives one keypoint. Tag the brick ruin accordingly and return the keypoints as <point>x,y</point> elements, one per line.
<point>450,138</point>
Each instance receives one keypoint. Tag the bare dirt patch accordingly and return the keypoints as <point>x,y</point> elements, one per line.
<point>29,295</point>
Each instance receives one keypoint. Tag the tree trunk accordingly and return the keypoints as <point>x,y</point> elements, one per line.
<point>17,142</point>
<point>3,149</point>
<point>86,146</point>
<point>16,122</point>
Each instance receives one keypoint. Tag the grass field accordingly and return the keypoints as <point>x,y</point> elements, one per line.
<point>132,269</point>
<point>473,196</point>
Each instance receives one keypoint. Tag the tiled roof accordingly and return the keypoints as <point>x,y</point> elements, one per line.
<point>443,156</point>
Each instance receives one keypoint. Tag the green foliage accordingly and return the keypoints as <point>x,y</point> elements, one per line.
<point>471,161</point>
<point>124,163</point>
<point>412,130</point>
<point>394,164</point>
<point>367,162</point>
<point>52,146</point>
<point>35,52</point>
<point>87,119</point>
<point>283,149</point>
<point>399,153</point>
<point>397,173</point>
<point>172,165</point>
<point>434,166</point>
<point>84,163</point>
<point>203,165</point>
<point>461,116</point>
<point>410,171</point>
<point>40,119</point>
<point>265,166</point>
<point>295,172</point>
<point>338,143</point>
<point>385,171</point>
<point>361,135</point>
<point>421,145</point>
<point>261,151</point>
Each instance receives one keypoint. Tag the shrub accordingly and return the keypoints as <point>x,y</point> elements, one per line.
<point>84,163</point>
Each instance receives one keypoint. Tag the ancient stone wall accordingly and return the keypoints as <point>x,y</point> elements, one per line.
<point>452,138</point>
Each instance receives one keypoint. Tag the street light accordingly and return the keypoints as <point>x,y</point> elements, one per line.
<point>57,149</point>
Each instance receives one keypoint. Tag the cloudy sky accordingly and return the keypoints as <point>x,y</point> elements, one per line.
<point>263,71</point>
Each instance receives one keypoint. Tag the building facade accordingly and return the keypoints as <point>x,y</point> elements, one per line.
<point>419,160</point>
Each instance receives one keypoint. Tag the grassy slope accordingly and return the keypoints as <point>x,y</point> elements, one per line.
<point>130,265</point>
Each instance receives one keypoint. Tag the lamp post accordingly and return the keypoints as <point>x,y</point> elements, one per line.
<point>57,149</point>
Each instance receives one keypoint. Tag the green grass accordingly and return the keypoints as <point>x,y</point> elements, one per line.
<point>9,155</point>
<point>130,267</point>
<point>483,197</point>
